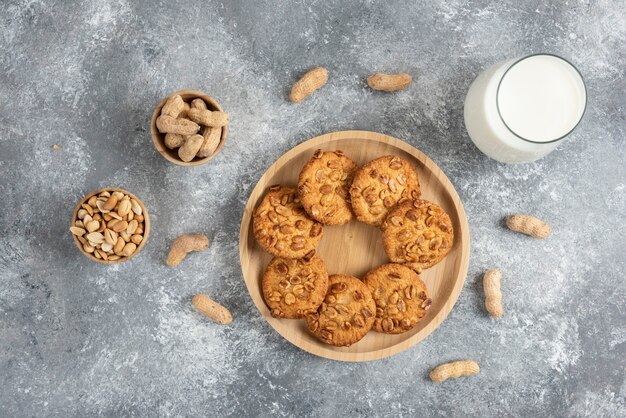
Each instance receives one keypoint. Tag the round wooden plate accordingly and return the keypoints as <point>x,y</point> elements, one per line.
<point>356,248</point>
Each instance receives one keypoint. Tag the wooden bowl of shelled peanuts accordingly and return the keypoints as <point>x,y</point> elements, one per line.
<point>110,225</point>
<point>172,152</point>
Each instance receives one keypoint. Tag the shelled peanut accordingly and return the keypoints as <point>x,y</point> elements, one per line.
<point>493,295</point>
<point>211,309</point>
<point>310,82</point>
<point>389,82</point>
<point>185,244</point>
<point>529,225</point>
<point>454,370</point>
<point>110,225</point>
<point>191,128</point>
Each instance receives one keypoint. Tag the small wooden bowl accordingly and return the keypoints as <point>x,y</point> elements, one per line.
<point>158,139</point>
<point>146,222</point>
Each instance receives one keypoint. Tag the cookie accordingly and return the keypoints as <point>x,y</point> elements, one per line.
<point>379,185</point>
<point>346,314</point>
<point>324,185</point>
<point>400,295</point>
<point>282,227</point>
<point>418,233</point>
<point>292,288</point>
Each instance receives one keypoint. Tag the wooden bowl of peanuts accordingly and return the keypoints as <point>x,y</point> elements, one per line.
<point>110,225</point>
<point>189,128</point>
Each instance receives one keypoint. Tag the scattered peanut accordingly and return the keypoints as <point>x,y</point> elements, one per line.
<point>454,370</point>
<point>493,296</point>
<point>110,236</point>
<point>208,307</point>
<point>190,148</point>
<point>119,246</point>
<point>125,235</point>
<point>128,249</point>
<point>77,231</point>
<point>182,123</point>
<point>389,82</point>
<point>529,225</point>
<point>186,244</point>
<point>212,137</point>
<point>184,113</point>
<point>136,207</point>
<point>103,222</point>
<point>198,103</point>
<point>208,118</point>
<point>124,208</point>
<point>132,226</point>
<point>173,107</point>
<point>95,237</point>
<point>92,226</point>
<point>174,140</point>
<point>120,226</point>
<point>311,81</point>
<point>110,203</point>
<point>169,124</point>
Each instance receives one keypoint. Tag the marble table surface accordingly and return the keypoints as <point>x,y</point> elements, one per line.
<point>80,339</point>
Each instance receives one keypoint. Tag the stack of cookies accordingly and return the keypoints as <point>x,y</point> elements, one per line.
<point>332,190</point>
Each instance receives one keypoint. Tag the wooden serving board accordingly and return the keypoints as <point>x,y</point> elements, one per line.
<point>356,248</point>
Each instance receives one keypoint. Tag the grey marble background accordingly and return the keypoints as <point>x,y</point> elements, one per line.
<point>79,339</point>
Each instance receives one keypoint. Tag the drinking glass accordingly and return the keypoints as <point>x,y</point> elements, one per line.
<point>521,109</point>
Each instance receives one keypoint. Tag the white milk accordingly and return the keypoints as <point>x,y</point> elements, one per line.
<point>519,110</point>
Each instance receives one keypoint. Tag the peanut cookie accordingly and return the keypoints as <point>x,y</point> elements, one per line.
<point>346,314</point>
<point>379,185</point>
<point>282,227</point>
<point>324,185</point>
<point>418,233</point>
<point>401,297</point>
<point>292,288</point>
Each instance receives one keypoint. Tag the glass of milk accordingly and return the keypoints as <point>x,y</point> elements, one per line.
<point>520,110</point>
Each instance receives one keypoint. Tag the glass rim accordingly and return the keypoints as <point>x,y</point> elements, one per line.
<point>517,62</point>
